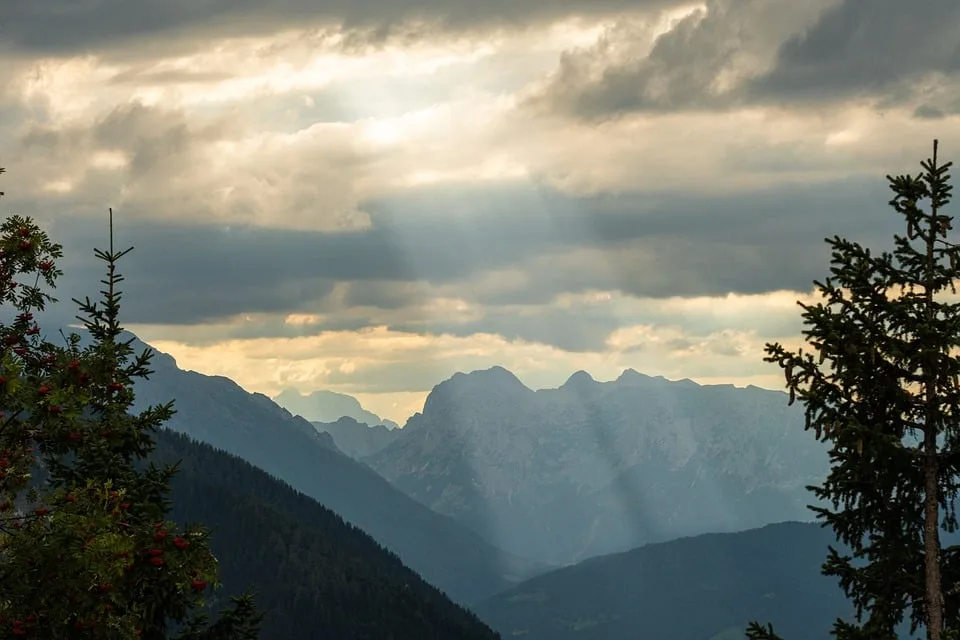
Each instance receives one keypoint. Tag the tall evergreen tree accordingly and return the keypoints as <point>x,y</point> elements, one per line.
<point>87,552</point>
<point>884,390</point>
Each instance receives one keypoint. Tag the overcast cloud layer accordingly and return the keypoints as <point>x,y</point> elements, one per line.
<point>369,196</point>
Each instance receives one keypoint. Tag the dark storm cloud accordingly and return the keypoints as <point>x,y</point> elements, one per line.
<point>888,51</point>
<point>660,246</point>
<point>620,74</point>
<point>861,48</point>
<point>69,26</point>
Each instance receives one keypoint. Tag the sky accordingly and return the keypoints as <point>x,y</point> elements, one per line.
<point>367,196</point>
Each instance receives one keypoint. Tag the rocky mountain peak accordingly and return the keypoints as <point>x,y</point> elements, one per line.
<point>579,381</point>
<point>477,387</point>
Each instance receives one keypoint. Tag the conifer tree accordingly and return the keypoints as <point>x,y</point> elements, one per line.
<point>85,550</point>
<point>882,387</point>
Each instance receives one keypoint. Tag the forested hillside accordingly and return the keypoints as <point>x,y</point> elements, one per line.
<point>314,575</point>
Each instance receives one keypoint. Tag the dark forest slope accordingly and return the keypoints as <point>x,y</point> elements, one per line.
<point>315,575</point>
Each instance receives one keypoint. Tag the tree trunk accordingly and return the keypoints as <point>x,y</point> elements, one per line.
<point>931,536</point>
<point>931,505</point>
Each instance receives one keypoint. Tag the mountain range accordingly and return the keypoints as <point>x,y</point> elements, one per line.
<point>588,467</point>
<point>215,410</point>
<point>328,406</point>
<point>357,439</point>
<point>559,475</point>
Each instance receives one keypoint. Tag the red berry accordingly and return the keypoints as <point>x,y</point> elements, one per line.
<point>70,497</point>
<point>157,562</point>
<point>160,535</point>
<point>46,265</point>
<point>198,584</point>
<point>25,244</point>
<point>44,389</point>
<point>24,232</point>
<point>73,364</point>
<point>54,409</point>
<point>180,543</point>
<point>155,552</point>
<point>41,511</point>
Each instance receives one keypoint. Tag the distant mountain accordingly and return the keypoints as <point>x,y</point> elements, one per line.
<point>314,575</point>
<point>559,475</point>
<point>328,406</point>
<point>215,410</point>
<point>702,588</point>
<point>356,439</point>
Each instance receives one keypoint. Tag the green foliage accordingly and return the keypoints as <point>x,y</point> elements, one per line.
<point>884,391</point>
<point>88,553</point>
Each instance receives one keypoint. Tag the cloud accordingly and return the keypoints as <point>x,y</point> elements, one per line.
<point>146,161</point>
<point>695,58</point>
<point>735,54</point>
<point>887,51</point>
<point>440,243</point>
<point>372,197</point>
<point>64,27</point>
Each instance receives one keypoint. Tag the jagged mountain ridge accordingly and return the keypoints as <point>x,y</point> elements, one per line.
<point>356,439</point>
<point>592,468</point>
<point>215,410</point>
<point>329,406</point>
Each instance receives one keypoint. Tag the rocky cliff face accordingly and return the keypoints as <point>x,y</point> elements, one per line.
<point>591,468</point>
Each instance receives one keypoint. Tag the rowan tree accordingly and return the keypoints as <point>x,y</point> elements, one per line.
<point>882,387</point>
<point>85,549</point>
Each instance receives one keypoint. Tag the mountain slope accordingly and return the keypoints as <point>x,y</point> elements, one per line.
<point>217,411</point>
<point>703,588</point>
<point>328,406</point>
<point>356,439</point>
<point>589,468</point>
<point>314,575</point>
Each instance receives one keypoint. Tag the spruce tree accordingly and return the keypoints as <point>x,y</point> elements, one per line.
<point>882,387</point>
<point>85,549</point>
